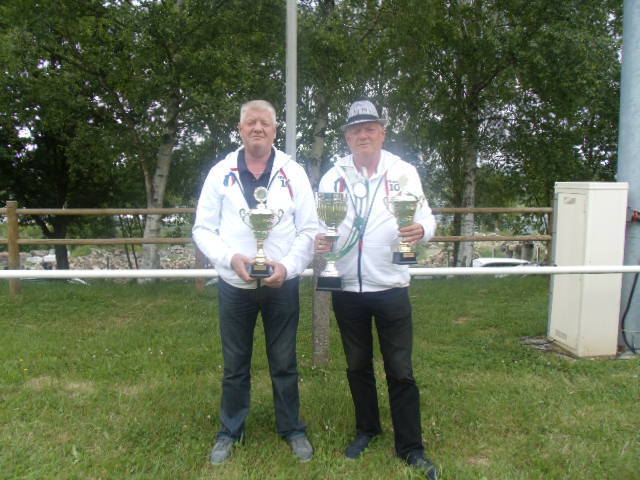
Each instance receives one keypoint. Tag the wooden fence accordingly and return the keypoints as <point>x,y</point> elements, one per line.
<point>14,242</point>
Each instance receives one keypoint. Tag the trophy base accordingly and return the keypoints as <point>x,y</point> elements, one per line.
<point>404,258</point>
<point>260,271</point>
<point>330,284</point>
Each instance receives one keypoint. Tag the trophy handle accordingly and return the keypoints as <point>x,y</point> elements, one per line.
<point>278,215</point>
<point>244,214</point>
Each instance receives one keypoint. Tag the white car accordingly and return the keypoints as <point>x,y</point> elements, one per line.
<point>499,262</point>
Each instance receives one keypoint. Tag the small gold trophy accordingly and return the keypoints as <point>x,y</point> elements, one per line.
<point>261,220</point>
<point>332,208</point>
<point>403,206</point>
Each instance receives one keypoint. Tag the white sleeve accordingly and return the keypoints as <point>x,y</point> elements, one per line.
<point>205,230</point>
<point>300,254</point>
<point>423,215</point>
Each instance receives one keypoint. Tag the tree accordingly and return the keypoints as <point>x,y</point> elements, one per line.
<point>568,111</point>
<point>55,152</point>
<point>163,70</point>
<point>462,67</point>
<point>336,38</point>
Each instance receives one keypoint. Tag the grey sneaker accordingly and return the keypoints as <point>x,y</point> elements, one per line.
<point>221,450</point>
<point>301,447</point>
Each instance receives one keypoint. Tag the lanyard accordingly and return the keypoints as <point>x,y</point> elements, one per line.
<point>356,234</point>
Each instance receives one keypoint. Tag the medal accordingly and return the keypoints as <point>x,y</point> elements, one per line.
<point>360,190</point>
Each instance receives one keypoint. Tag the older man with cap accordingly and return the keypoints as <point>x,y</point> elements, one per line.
<point>373,287</point>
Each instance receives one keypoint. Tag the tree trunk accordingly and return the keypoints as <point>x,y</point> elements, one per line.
<point>60,231</point>
<point>465,249</point>
<point>321,319</point>
<point>59,225</point>
<point>157,184</point>
<point>314,168</point>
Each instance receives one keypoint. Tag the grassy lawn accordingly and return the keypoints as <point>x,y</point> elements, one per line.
<point>123,381</point>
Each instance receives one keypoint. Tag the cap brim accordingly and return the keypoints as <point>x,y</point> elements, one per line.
<point>381,121</point>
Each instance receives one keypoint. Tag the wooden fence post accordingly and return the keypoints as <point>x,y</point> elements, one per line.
<point>13,247</point>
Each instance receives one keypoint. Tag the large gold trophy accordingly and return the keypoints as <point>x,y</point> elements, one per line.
<point>403,206</point>
<point>261,220</point>
<point>332,208</point>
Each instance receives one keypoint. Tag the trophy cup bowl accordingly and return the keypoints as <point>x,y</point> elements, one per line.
<point>332,209</point>
<point>260,220</point>
<point>403,207</point>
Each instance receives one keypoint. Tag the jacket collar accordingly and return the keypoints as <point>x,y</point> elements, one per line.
<point>387,161</point>
<point>280,160</point>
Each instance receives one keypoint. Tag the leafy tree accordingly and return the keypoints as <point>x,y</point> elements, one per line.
<point>55,152</point>
<point>462,68</point>
<point>335,42</point>
<point>568,111</point>
<point>164,71</point>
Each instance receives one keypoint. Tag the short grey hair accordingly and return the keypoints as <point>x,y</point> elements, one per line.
<point>257,105</point>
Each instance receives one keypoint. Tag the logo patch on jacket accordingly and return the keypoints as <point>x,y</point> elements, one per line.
<point>393,185</point>
<point>339,185</point>
<point>229,179</point>
<point>284,181</point>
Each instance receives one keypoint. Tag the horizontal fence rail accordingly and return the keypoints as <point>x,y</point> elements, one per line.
<point>102,241</point>
<point>185,240</point>
<point>415,272</point>
<point>14,242</point>
<point>190,210</point>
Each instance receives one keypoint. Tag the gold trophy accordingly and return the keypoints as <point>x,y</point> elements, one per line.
<point>403,206</point>
<point>332,208</point>
<point>261,220</point>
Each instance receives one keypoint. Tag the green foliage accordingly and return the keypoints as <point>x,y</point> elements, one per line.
<point>123,380</point>
<point>149,78</point>
<point>81,250</point>
<point>530,89</point>
<point>519,93</point>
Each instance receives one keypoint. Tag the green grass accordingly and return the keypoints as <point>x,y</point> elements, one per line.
<point>123,381</point>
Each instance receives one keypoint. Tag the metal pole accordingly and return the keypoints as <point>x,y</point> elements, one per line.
<point>417,273</point>
<point>628,162</point>
<point>291,78</point>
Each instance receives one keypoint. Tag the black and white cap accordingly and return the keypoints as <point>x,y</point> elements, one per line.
<point>363,111</point>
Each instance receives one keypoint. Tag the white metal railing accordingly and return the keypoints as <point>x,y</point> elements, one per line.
<point>211,273</point>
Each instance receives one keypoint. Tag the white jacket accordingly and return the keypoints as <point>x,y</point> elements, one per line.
<point>219,231</point>
<point>368,266</point>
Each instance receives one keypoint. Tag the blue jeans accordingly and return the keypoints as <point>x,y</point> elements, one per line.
<point>391,310</point>
<point>280,311</point>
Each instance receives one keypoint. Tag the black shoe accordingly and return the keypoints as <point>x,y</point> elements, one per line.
<point>359,445</point>
<point>221,450</point>
<point>301,447</point>
<point>423,464</point>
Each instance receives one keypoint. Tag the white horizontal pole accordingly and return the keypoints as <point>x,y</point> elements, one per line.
<point>210,273</point>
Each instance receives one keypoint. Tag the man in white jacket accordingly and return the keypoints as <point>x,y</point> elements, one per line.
<point>229,243</point>
<point>375,288</point>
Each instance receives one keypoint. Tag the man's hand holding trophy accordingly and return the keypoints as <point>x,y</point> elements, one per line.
<point>332,209</point>
<point>403,206</point>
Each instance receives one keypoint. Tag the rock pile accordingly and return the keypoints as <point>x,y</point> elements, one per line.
<point>173,257</point>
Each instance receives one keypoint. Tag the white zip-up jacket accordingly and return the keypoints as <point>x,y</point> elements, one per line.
<point>220,232</point>
<point>367,266</point>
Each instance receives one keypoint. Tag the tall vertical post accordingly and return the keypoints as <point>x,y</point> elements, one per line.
<point>629,166</point>
<point>200,263</point>
<point>13,247</point>
<point>291,77</point>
